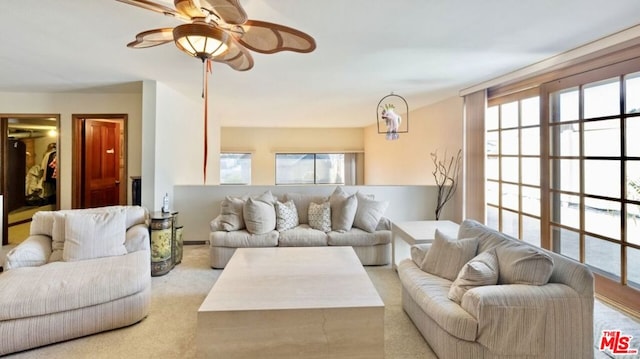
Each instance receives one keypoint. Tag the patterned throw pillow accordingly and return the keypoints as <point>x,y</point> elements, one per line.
<point>320,216</point>
<point>286,216</point>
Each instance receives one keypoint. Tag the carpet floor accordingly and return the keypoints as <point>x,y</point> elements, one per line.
<point>169,330</point>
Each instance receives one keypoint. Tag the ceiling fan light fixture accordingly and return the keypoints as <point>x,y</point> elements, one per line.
<point>201,40</point>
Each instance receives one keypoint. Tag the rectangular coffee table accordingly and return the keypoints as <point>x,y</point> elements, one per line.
<point>292,302</point>
<point>406,234</point>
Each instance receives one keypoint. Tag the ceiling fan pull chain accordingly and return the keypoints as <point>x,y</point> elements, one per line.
<point>205,95</point>
<point>204,75</point>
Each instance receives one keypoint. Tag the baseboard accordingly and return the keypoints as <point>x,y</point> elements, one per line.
<point>191,243</point>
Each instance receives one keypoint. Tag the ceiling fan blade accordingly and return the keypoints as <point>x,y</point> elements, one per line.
<point>189,8</point>
<point>267,38</point>
<point>152,38</point>
<point>150,5</point>
<point>229,10</point>
<point>236,56</point>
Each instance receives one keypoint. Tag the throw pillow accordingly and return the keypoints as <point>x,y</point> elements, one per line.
<point>368,212</point>
<point>42,223</point>
<point>447,256</point>
<point>94,235</point>
<point>286,216</point>
<point>302,204</point>
<point>480,270</point>
<point>523,264</point>
<point>231,216</point>
<point>343,210</point>
<point>320,216</point>
<point>259,214</point>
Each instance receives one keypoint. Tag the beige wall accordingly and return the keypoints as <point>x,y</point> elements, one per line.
<point>263,143</point>
<point>67,104</point>
<point>407,161</point>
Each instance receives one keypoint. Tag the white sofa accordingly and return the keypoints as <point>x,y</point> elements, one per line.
<point>511,300</point>
<point>50,293</point>
<point>355,220</point>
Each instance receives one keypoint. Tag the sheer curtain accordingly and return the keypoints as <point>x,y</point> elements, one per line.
<point>350,169</point>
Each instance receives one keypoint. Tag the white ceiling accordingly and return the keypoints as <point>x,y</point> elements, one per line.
<point>424,50</point>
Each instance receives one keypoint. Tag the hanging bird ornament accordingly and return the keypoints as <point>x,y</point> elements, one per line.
<point>392,120</point>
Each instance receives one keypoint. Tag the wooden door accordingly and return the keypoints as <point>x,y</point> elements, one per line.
<point>102,163</point>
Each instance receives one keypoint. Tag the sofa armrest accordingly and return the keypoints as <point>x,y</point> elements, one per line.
<point>384,224</point>
<point>32,252</point>
<point>137,238</point>
<point>513,319</point>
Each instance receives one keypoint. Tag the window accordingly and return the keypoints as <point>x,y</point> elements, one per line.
<point>235,168</point>
<point>587,184</point>
<point>314,168</point>
<point>594,171</point>
<point>512,168</point>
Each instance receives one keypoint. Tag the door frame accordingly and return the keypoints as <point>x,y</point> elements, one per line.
<point>4,125</point>
<point>77,163</point>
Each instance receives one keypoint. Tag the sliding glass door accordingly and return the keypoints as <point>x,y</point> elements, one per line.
<point>593,167</point>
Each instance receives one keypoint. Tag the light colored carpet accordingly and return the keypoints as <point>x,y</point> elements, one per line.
<point>169,330</point>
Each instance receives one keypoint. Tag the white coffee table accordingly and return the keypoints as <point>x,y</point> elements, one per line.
<point>313,302</point>
<point>406,234</point>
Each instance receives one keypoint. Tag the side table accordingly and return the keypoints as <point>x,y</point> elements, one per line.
<point>406,234</point>
<point>165,253</point>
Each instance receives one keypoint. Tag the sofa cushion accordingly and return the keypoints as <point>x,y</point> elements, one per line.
<point>63,286</point>
<point>302,204</point>
<point>302,236</point>
<point>358,238</point>
<point>320,216</point>
<point>523,264</point>
<point>57,236</point>
<point>418,252</point>
<point>260,214</point>
<point>231,214</point>
<point>369,212</point>
<point>343,210</point>
<point>480,270</point>
<point>447,255</point>
<point>286,215</point>
<point>94,235</point>
<point>430,293</point>
<point>243,239</point>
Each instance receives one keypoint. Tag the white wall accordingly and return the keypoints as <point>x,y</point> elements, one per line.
<point>67,104</point>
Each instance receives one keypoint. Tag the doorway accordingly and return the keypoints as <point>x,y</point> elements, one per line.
<point>30,171</point>
<point>99,160</point>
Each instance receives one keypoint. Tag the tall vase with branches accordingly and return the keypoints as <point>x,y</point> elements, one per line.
<point>446,175</point>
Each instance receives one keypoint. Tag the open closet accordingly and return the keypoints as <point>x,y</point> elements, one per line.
<point>29,179</point>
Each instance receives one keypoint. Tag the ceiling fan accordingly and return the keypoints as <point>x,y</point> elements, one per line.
<point>220,30</point>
